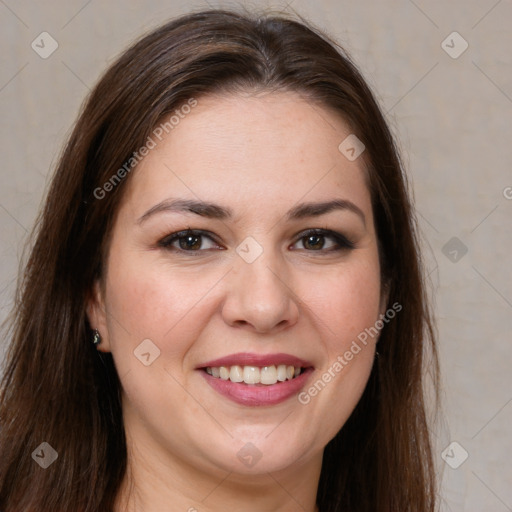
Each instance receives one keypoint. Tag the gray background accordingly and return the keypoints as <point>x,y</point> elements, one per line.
<point>452,117</point>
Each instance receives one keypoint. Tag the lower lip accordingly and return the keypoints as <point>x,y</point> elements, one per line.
<point>257,395</point>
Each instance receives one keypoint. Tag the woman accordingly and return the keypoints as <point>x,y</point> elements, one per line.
<point>224,305</point>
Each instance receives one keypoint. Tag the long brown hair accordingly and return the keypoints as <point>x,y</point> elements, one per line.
<point>58,389</point>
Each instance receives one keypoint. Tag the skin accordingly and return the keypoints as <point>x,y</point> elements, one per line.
<point>259,155</point>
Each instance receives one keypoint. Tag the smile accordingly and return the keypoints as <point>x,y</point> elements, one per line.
<point>257,393</point>
<point>266,375</point>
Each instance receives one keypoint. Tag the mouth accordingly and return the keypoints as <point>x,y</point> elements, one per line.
<point>254,375</point>
<point>257,380</point>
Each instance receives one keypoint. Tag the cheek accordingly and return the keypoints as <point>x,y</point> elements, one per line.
<point>156,302</point>
<point>345,302</point>
<point>343,311</point>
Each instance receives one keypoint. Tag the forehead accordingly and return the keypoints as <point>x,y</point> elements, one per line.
<point>273,148</point>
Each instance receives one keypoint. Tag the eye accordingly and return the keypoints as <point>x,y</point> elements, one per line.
<point>323,240</point>
<point>190,240</point>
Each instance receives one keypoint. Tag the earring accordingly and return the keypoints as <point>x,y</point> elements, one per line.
<point>96,338</point>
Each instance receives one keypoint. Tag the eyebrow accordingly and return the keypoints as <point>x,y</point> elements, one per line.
<point>315,209</point>
<point>214,211</point>
<point>210,210</point>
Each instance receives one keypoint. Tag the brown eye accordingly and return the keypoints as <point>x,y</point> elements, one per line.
<point>189,241</point>
<point>322,240</point>
<point>314,242</point>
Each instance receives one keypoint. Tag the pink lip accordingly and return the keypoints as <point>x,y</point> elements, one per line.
<point>251,359</point>
<point>257,394</point>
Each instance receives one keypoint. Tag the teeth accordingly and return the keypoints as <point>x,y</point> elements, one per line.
<point>236,374</point>
<point>266,375</point>
<point>281,373</point>
<point>251,374</point>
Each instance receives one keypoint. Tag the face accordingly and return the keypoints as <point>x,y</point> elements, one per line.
<point>242,268</point>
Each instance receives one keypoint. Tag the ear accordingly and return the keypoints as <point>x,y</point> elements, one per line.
<point>97,316</point>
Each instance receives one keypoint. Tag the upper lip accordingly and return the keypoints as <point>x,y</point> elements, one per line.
<point>252,359</point>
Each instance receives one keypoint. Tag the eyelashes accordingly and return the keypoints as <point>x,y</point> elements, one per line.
<point>189,240</point>
<point>312,240</point>
<point>316,237</point>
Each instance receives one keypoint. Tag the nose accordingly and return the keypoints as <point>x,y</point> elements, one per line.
<point>260,297</point>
